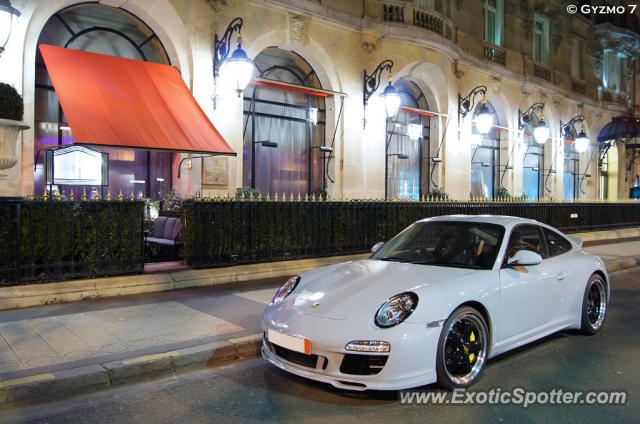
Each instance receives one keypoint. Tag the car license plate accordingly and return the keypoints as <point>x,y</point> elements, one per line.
<point>297,344</point>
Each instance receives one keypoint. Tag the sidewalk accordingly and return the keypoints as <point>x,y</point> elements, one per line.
<point>60,349</point>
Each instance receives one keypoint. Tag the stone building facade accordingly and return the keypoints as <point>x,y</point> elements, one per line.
<point>523,52</point>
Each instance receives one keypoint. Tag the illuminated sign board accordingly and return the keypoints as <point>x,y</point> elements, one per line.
<point>77,165</point>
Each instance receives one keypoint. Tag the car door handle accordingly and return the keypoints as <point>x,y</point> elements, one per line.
<point>562,275</point>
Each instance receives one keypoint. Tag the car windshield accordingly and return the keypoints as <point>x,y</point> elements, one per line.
<point>445,243</point>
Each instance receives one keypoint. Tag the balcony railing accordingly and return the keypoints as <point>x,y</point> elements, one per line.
<point>541,70</point>
<point>427,19</point>
<point>578,86</point>
<point>393,13</point>
<point>495,53</point>
<point>614,98</point>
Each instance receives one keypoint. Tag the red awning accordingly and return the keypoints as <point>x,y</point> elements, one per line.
<point>111,101</point>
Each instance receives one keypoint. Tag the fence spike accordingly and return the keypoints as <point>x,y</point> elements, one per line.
<point>71,195</point>
<point>108,195</point>
<point>120,197</point>
<point>131,196</point>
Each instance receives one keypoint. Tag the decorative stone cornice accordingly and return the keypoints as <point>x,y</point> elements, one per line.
<point>217,5</point>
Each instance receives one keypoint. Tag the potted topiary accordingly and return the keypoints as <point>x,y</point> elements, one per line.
<point>11,112</point>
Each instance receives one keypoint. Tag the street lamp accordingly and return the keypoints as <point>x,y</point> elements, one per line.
<point>390,95</point>
<point>236,69</point>
<point>541,131</point>
<point>6,22</point>
<point>484,118</point>
<point>580,141</point>
<point>391,100</point>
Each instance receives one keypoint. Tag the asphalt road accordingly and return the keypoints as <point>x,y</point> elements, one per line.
<point>253,392</point>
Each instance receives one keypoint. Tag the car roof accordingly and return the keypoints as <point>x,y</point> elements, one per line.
<point>503,220</point>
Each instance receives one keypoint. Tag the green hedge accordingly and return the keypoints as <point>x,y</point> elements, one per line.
<point>224,232</point>
<point>59,240</point>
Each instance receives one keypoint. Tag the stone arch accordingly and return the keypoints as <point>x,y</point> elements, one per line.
<point>159,15</point>
<point>436,88</point>
<point>323,65</point>
<point>431,80</point>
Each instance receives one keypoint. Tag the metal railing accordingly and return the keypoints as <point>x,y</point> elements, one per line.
<point>225,232</point>
<point>542,71</point>
<point>578,86</point>
<point>49,240</point>
<point>612,97</point>
<point>495,53</point>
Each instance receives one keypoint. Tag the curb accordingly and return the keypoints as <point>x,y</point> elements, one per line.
<point>83,379</point>
<point>620,264</point>
<point>28,295</point>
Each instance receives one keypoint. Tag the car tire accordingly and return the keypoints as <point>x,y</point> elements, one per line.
<point>464,337</point>
<point>594,305</point>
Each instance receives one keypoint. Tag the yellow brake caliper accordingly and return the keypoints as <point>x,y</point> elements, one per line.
<point>472,356</point>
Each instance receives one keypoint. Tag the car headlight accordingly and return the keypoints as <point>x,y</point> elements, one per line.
<point>286,289</point>
<point>396,309</point>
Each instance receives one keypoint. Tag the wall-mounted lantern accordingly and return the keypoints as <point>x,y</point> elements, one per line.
<point>236,69</point>
<point>541,131</point>
<point>390,95</point>
<point>484,118</point>
<point>568,131</point>
<point>7,12</point>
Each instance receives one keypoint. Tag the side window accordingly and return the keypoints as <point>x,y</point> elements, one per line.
<point>525,237</point>
<point>557,244</point>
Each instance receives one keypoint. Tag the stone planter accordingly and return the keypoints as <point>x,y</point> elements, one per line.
<point>9,132</point>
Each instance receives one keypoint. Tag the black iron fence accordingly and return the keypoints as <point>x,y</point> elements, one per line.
<point>219,233</point>
<point>49,240</point>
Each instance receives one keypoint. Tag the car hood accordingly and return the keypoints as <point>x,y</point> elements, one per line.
<point>360,287</point>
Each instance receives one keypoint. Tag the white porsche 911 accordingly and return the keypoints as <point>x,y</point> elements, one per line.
<point>434,303</point>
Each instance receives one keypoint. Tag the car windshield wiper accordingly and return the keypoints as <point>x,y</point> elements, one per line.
<point>395,259</point>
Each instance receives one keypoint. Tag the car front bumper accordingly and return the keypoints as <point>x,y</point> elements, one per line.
<point>410,362</point>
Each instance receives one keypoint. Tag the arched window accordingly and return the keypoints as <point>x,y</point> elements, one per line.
<point>407,146</point>
<point>485,158</point>
<point>533,167</point>
<point>116,32</point>
<point>283,128</point>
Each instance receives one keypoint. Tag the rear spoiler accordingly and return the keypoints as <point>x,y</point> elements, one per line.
<point>577,240</point>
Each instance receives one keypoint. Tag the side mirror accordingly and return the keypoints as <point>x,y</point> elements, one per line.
<point>377,246</point>
<point>524,258</point>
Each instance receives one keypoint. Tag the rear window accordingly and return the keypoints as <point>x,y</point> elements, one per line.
<point>557,244</point>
